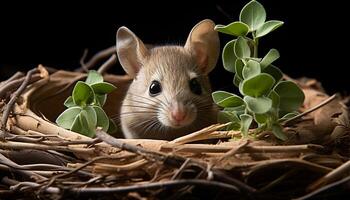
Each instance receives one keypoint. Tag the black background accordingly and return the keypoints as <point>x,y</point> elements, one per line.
<point>313,42</point>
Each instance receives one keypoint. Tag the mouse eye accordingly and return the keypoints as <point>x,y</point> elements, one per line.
<point>195,86</point>
<point>155,88</point>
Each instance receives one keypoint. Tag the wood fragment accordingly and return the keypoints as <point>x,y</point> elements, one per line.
<point>108,64</point>
<point>13,100</point>
<point>336,174</point>
<point>199,135</point>
<point>98,57</point>
<point>208,148</point>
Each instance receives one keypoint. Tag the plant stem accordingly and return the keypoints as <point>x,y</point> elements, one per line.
<point>256,43</point>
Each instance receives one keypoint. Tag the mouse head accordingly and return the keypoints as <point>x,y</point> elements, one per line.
<point>170,86</point>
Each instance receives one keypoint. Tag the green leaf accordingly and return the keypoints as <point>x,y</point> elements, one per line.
<point>220,95</point>
<point>101,99</point>
<point>274,71</point>
<point>246,121</point>
<point>102,118</point>
<point>94,77</point>
<point>103,88</point>
<point>91,116</point>
<point>288,116</point>
<point>253,14</point>
<point>275,99</point>
<point>241,48</point>
<point>258,85</point>
<point>224,117</point>
<point>251,69</point>
<point>82,94</point>
<point>291,96</point>
<point>228,56</point>
<point>277,130</point>
<point>255,59</point>
<point>66,119</point>
<point>236,110</point>
<point>237,80</point>
<point>226,99</point>
<point>268,27</point>
<point>235,28</point>
<point>261,118</point>
<point>81,125</point>
<point>69,102</point>
<point>269,58</point>
<point>112,127</point>
<point>240,88</point>
<point>258,105</point>
<point>239,65</point>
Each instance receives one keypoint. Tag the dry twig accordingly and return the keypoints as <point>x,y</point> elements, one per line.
<point>12,101</point>
<point>98,57</point>
<point>334,175</point>
<point>288,122</point>
<point>108,64</point>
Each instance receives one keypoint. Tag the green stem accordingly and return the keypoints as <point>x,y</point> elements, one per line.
<point>256,43</point>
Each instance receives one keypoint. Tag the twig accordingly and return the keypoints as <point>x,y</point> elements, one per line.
<point>324,188</point>
<point>172,160</point>
<point>234,150</point>
<point>22,145</point>
<point>228,179</point>
<point>21,186</point>
<point>288,122</point>
<point>41,167</point>
<point>82,60</point>
<point>198,135</point>
<point>336,174</point>
<point>277,181</point>
<point>208,148</point>
<point>123,189</point>
<point>28,174</point>
<point>157,185</point>
<point>92,180</point>
<point>14,84</point>
<point>179,171</point>
<point>17,75</point>
<point>12,101</point>
<point>120,168</point>
<point>82,166</point>
<point>168,159</point>
<point>108,64</point>
<point>293,162</point>
<point>98,57</point>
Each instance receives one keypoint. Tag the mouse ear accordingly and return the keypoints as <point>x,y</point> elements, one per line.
<point>130,50</point>
<point>204,42</point>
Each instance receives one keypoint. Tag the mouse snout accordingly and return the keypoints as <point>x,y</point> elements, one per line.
<point>178,114</point>
<point>181,114</point>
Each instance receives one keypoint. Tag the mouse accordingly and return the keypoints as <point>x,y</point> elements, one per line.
<point>170,94</point>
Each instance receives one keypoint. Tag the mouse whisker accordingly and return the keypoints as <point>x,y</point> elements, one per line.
<point>147,108</point>
<point>205,107</point>
<point>150,126</point>
<point>137,112</point>
<point>157,107</point>
<point>153,99</point>
<point>144,123</point>
<point>142,102</point>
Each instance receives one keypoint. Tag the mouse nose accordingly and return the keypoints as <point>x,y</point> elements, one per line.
<point>178,115</point>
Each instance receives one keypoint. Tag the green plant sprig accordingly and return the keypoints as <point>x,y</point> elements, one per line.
<point>267,99</point>
<point>84,111</point>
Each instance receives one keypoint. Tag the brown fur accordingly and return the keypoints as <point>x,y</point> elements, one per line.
<point>144,116</point>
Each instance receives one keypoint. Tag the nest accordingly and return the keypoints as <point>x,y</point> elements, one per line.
<point>41,160</point>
